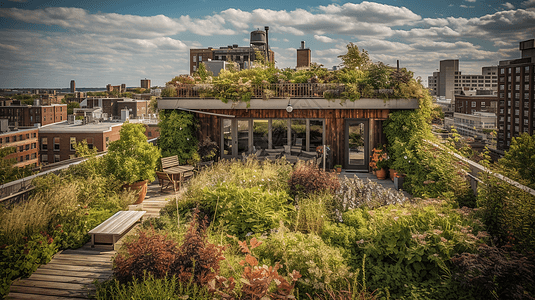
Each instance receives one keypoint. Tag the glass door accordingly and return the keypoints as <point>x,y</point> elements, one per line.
<point>356,145</point>
<point>235,138</point>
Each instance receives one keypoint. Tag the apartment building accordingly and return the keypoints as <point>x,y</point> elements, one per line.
<point>477,103</point>
<point>145,83</point>
<point>243,56</point>
<point>30,115</point>
<point>516,94</point>
<point>449,81</point>
<point>23,140</point>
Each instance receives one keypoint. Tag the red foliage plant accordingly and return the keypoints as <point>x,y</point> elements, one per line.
<point>308,179</point>
<point>195,260</point>
<point>150,252</point>
<point>197,257</point>
<point>257,280</point>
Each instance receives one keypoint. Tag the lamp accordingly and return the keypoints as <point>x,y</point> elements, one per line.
<point>289,108</point>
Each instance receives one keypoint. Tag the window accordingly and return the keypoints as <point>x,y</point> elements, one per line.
<point>194,58</point>
<point>473,104</point>
<point>56,144</point>
<point>21,159</point>
<point>517,112</point>
<point>107,141</point>
<point>517,70</point>
<point>502,71</point>
<point>44,145</point>
<point>21,148</point>
<point>27,156</point>
<point>14,138</point>
<point>27,147</point>
<point>27,136</point>
<point>149,134</point>
<point>194,68</point>
<point>90,143</point>
<point>73,143</point>
<point>57,158</point>
<point>200,58</point>
<point>44,158</point>
<point>7,139</point>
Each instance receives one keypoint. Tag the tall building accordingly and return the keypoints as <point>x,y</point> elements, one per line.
<point>449,81</point>
<point>243,56</point>
<point>303,56</point>
<point>30,115</point>
<point>516,104</point>
<point>73,86</point>
<point>145,83</point>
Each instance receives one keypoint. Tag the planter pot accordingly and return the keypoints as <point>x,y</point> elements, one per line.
<point>381,174</point>
<point>338,170</point>
<point>392,173</point>
<point>140,187</point>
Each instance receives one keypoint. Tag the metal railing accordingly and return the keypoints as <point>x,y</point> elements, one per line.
<point>266,91</point>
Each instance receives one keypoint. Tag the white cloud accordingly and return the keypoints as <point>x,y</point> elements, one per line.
<point>528,3</point>
<point>508,5</point>
<point>464,6</point>
<point>324,39</point>
<point>472,1</point>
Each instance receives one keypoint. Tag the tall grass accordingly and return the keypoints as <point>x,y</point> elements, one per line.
<point>34,215</point>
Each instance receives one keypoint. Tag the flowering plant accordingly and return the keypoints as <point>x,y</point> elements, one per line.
<point>380,159</point>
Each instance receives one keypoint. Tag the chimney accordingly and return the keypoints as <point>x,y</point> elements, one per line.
<point>302,44</point>
<point>398,64</point>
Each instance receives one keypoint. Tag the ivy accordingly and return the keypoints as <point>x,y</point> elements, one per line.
<point>178,136</point>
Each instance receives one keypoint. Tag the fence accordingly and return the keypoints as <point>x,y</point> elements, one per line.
<point>265,91</point>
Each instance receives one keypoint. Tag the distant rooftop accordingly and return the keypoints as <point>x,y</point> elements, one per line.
<point>64,127</point>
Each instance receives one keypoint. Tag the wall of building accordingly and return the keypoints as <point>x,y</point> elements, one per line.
<point>26,146</point>
<point>210,126</point>
<point>472,104</point>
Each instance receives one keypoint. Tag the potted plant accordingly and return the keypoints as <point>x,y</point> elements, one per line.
<point>338,168</point>
<point>380,162</point>
<point>133,160</point>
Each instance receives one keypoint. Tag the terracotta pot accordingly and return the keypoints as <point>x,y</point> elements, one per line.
<point>140,187</point>
<point>381,174</point>
<point>339,170</point>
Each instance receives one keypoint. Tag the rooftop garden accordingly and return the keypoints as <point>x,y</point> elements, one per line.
<point>359,78</point>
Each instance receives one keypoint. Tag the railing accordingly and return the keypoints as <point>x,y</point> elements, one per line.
<point>476,168</point>
<point>266,91</point>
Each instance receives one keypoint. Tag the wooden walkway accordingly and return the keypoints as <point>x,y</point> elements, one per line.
<point>71,273</point>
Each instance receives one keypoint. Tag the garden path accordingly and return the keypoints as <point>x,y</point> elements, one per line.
<point>386,183</point>
<point>71,273</point>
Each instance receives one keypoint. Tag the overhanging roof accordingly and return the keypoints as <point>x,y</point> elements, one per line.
<point>297,103</point>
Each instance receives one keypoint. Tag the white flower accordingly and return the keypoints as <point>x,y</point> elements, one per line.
<point>405,157</point>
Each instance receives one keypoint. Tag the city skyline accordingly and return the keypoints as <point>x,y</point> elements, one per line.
<point>46,44</point>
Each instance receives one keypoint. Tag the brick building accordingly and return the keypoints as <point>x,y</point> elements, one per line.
<point>145,83</point>
<point>113,106</point>
<point>116,88</point>
<point>478,103</point>
<point>516,95</point>
<point>57,141</point>
<point>137,108</point>
<point>29,115</point>
<point>25,142</point>
<point>243,56</point>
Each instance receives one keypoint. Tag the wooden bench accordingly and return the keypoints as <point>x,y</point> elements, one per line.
<point>111,230</point>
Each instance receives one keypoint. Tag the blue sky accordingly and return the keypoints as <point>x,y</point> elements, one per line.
<point>46,44</point>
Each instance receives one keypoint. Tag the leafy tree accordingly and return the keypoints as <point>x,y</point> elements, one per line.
<point>178,136</point>
<point>71,106</point>
<point>169,91</point>
<point>202,72</point>
<point>132,158</point>
<point>354,58</point>
<point>153,104</point>
<point>520,158</point>
<point>8,172</point>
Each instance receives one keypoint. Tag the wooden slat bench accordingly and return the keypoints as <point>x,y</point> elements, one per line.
<point>111,230</point>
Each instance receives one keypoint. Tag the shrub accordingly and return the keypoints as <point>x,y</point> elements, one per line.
<point>244,210</point>
<point>355,193</point>
<point>259,282</point>
<point>150,253</point>
<point>312,212</point>
<point>197,260</point>
<point>408,247</point>
<point>320,265</point>
<point>307,179</point>
<point>496,273</point>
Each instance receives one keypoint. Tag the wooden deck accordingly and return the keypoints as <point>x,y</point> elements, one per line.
<point>71,273</point>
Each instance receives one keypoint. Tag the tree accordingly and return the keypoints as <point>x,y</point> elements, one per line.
<point>520,158</point>
<point>132,158</point>
<point>71,106</point>
<point>202,72</point>
<point>354,58</point>
<point>8,171</point>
